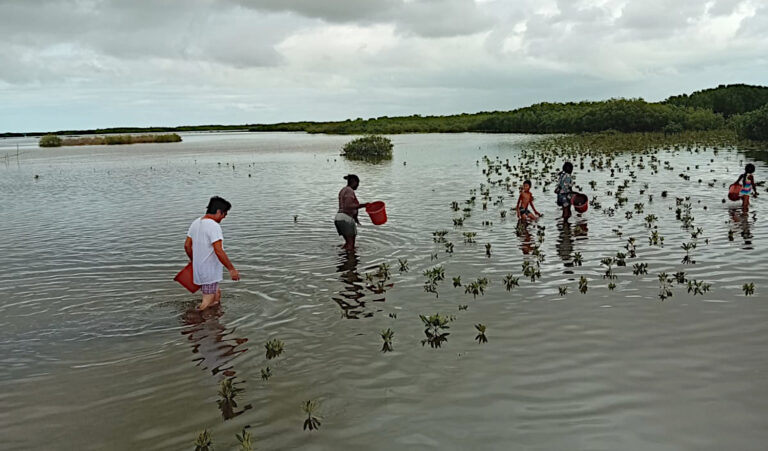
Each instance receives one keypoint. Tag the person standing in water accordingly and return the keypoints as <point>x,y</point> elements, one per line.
<point>346,219</point>
<point>204,246</point>
<point>747,181</point>
<point>564,189</point>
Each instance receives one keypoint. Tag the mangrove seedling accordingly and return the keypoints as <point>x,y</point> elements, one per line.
<point>433,256</point>
<point>455,206</point>
<point>510,281</point>
<point>274,348</point>
<point>449,248</point>
<point>698,287</point>
<point>246,441</point>
<point>562,290</point>
<point>463,307</point>
<point>481,338</point>
<point>403,264</point>
<point>749,289</point>
<point>456,281</point>
<point>266,373</point>
<point>577,259</point>
<point>438,236</point>
<point>583,284</point>
<point>688,247</point>
<point>387,335</point>
<point>203,442</point>
<point>469,237</point>
<point>487,249</point>
<point>611,286</point>
<point>640,269</point>
<point>477,287</point>
<point>650,220</point>
<point>310,407</point>
<point>295,218</point>
<point>434,326</point>
<point>384,271</point>
<point>680,277</point>
<point>458,222</point>
<point>730,235</point>
<point>620,259</point>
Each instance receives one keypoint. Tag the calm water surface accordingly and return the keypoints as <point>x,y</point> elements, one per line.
<point>100,349</point>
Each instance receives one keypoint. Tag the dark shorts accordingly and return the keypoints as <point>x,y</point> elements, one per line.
<point>524,211</point>
<point>346,228</point>
<point>210,288</point>
<point>564,200</point>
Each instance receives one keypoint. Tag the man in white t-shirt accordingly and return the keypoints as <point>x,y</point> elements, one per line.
<point>204,247</point>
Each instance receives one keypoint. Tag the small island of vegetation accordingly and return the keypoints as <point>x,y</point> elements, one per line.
<point>368,148</point>
<point>56,141</point>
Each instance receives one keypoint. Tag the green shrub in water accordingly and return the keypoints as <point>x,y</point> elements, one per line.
<point>371,147</point>
<point>50,141</point>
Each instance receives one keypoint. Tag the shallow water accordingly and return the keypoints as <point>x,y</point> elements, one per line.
<point>100,349</point>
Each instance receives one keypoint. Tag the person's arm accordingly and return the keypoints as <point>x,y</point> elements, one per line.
<point>754,185</point>
<point>517,207</point>
<point>534,208</point>
<point>224,259</point>
<point>188,248</point>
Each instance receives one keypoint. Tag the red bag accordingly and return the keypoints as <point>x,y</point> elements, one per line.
<point>186,278</point>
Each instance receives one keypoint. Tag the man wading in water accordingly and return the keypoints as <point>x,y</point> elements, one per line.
<point>346,219</point>
<point>204,247</point>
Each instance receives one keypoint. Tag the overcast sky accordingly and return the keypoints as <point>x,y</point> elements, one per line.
<point>101,63</point>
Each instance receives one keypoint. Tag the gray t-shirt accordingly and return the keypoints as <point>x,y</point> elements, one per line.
<point>206,266</point>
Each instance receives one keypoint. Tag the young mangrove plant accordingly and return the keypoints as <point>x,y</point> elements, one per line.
<point>655,239</point>
<point>481,338</point>
<point>456,281</point>
<point>488,249</point>
<point>204,442</point>
<point>438,236</point>
<point>698,287</point>
<point>640,269</point>
<point>403,262</point>
<point>310,408</point>
<point>469,237</point>
<point>563,290</point>
<point>458,222</point>
<point>463,307</point>
<point>434,329</point>
<point>608,262</point>
<point>384,272</point>
<point>749,289</point>
<point>477,287</point>
<point>583,284</point>
<point>449,248</point>
<point>577,259</point>
<point>387,335</point>
<point>688,247</point>
<point>531,271</point>
<point>665,286</point>
<point>680,277</point>
<point>246,441</point>
<point>611,286</point>
<point>274,348</point>
<point>510,281</point>
<point>266,373</point>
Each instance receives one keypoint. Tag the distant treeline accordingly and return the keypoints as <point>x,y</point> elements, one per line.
<point>743,108</point>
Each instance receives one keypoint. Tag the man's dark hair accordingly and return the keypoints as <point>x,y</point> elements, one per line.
<point>527,182</point>
<point>217,203</point>
<point>350,178</point>
<point>750,168</point>
<point>568,167</point>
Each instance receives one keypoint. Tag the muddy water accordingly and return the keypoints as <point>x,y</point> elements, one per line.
<point>100,349</point>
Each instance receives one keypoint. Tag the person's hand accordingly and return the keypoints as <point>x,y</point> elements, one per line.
<point>364,205</point>
<point>234,274</point>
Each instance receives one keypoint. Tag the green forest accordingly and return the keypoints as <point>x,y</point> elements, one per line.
<point>739,107</point>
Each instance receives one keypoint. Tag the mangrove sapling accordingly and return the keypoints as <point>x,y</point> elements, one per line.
<point>456,281</point>
<point>698,287</point>
<point>310,407</point>
<point>730,235</point>
<point>384,272</point>
<point>577,259</point>
<point>650,220</point>
<point>665,286</point>
<point>688,247</point>
<point>611,286</point>
<point>749,289</point>
<point>621,259</point>
<point>455,206</point>
<point>463,307</point>
<point>246,440</point>
<point>583,284</point>
<point>469,237</point>
<point>458,222</point>
<point>640,269</point>
<point>387,335</point>
<point>449,248</point>
<point>434,329</point>
<point>438,236</point>
<point>563,290</point>
<point>403,264</point>
<point>433,256</point>
<point>680,277</point>
<point>510,281</point>
<point>481,338</point>
<point>274,348</point>
<point>203,441</point>
<point>608,262</point>
<point>655,239</point>
<point>393,315</point>
<point>266,373</point>
<point>488,250</point>
<point>477,287</point>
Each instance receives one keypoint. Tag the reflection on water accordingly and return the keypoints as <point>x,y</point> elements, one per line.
<point>742,222</point>
<point>351,297</point>
<point>523,232</point>
<point>215,348</point>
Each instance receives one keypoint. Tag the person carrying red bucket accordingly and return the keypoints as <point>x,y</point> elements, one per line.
<point>346,218</point>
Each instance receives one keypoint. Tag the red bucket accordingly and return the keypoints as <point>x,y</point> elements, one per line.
<point>734,192</point>
<point>377,212</point>
<point>580,202</point>
<point>186,278</point>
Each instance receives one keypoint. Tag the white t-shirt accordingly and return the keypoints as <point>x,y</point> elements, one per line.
<point>206,266</point>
